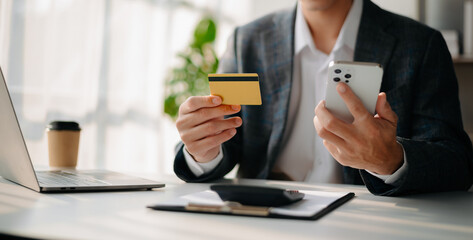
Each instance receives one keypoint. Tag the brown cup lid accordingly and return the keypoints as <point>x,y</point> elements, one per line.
<point>63,125</point>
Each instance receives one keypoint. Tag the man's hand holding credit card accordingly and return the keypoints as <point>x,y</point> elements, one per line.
<point>236,88</point>
<point>202,124</point>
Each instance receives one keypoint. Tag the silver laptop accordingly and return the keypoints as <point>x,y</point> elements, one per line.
<point>16,166</point>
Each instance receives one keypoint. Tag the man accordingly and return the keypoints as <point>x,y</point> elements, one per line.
<point>415,143</point>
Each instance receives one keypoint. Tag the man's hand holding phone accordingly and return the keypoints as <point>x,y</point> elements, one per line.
<point>202,126</point>
<point>369,142</point>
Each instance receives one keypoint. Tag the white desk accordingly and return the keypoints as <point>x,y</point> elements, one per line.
<point>122,215</point>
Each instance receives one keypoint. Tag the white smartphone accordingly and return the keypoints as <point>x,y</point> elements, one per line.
<point>363,78</point>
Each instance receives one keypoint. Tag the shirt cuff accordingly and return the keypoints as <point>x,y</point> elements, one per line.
<point>392,179</point>
<point>199,169</point>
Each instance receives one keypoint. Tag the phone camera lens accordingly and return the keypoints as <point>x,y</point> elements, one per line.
<point>347,75</point>
<point>347,81</point>
<point>336,79</point>
<point>338,71</point>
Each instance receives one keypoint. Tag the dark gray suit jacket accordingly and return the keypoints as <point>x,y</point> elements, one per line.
<point>419,81</point>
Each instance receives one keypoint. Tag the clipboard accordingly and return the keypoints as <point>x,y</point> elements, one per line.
<point>315,205</point>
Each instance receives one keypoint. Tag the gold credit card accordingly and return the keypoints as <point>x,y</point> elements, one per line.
<point>236,88</point>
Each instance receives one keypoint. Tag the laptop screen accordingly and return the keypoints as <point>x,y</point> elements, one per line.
<point>15,163</point>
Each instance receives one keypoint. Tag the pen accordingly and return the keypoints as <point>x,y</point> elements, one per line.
<point>229,207</point>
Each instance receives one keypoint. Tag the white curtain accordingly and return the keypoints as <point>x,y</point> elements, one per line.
<point>102,63</point>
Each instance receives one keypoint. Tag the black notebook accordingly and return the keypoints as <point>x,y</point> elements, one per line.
<point>313,206</point>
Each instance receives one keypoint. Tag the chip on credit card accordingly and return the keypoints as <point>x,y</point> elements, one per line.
<point>236,88</point>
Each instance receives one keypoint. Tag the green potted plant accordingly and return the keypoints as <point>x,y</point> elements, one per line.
<point>198,60</point>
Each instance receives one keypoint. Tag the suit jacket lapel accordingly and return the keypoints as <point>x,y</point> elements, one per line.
<point>278,52</point>
<point>373,44</point>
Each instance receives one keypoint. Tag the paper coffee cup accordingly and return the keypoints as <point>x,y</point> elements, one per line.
<point>63,144</point>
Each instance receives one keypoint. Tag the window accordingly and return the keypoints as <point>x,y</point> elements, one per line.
<point>103,63</point>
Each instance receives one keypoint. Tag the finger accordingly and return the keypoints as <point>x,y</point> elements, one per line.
<point>211,128</point>
<point>336,153</point>
<point>326,134</point>
<point>195,103</point>
<point>332,123</point>
<point>384,110</point>
<point>210,142</point>
<point>332,149</point>
<point>354,104</point>
<point>203,115</point>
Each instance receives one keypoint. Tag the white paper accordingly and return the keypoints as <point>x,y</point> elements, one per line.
<point>313,202</point>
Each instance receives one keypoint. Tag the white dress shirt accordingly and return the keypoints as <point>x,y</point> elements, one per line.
<point>303,156</point>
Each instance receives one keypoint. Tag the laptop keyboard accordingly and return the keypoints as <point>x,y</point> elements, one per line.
<point>62,178</point>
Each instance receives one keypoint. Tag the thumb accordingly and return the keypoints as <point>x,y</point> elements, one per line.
<point>384,109</point>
